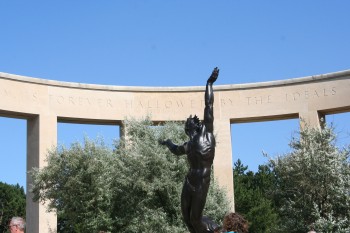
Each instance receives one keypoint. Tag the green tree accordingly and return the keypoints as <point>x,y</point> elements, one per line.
<point>135,187</point>
<point>76,183</point>
<point>12,203</point>
<point>313,183</point>
<point>252,198</point>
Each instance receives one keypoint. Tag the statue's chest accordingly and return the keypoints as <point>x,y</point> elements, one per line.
<point>201,145</point>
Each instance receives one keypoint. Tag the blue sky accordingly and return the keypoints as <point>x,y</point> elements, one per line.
<point>171,43</point>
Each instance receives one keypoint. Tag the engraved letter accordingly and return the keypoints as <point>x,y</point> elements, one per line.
<point>71,100</point>
<point>222,102</point>
<point>168,104</point>
<point>109,102</point>
<point>35,97</point>
<point>180,104</point>
<point>60,99</point>
<point>258,100</point>
<point>88,100</point>
<point>248,98</point>
<point>333,91</point>
<point>140,104</point>
<point>296,95</point>
<point>325,92</point>
<point>268,99</point>
<point>316,94</point>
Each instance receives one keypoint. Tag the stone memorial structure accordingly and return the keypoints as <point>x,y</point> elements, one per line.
<point>43,103</point>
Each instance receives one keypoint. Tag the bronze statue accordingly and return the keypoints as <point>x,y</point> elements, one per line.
<point>200,150</point>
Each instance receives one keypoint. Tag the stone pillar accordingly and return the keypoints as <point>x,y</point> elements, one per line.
<point>310,118</point>
<point>223,157</point>
<point>41,136</point>
<point>122,130</point>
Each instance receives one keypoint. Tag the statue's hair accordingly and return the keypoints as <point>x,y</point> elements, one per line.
<point>20,222</point>
<point>195,120</point>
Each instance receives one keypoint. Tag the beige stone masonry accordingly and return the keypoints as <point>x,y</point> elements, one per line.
<point>45,102</point>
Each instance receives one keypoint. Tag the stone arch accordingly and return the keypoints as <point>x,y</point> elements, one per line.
<point>45,102</point>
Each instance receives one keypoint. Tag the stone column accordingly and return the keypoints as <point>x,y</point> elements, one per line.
<point>122,130</point>
<point>310,118</point>
<point>41,136</point>
<point>223,157</point>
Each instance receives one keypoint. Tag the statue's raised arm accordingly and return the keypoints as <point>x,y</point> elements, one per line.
<point>200,151</point>
<point>209,100</point>
<point>214,75</point>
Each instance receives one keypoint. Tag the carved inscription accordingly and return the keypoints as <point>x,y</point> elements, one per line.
<point>259,100</point>
<point>301,95</point>
<point>167,104</point>
<point>161,104</point>
<point>23,96</point>
<point>80,101</point>
<point>226,102</point>
<point>4,93</point>
<point>310,94</point>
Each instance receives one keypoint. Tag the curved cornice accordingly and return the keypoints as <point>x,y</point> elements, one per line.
<point>293,81</point>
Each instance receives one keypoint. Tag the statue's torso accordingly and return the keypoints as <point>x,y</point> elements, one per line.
<point>200,154</point>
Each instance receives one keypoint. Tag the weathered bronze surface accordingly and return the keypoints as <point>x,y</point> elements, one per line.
<point>200,151</point>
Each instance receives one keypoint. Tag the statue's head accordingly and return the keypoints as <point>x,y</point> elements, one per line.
<point>192,125</point>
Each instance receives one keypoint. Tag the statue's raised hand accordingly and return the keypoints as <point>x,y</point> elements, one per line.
<point>214,75</point>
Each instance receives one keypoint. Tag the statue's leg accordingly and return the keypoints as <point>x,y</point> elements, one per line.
<point>197,206</point>
<point>186,206</point>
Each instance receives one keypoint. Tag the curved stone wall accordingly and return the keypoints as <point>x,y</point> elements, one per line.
<point>45,102</point>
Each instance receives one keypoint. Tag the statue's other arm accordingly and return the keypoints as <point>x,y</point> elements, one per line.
<point>175,149</point>
<point>209,101</point>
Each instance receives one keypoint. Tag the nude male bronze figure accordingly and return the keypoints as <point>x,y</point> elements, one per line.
<point>200,151</point>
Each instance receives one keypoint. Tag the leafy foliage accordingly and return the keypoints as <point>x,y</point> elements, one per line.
<point>12,203</point>
<point>252,197</point>
<point>305,189</point>
<point>76,182</point>
<point>313,183</point>
<point>135,187</point>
